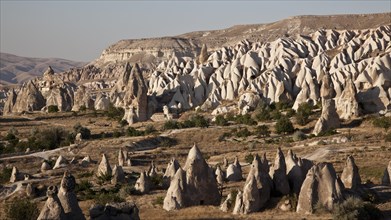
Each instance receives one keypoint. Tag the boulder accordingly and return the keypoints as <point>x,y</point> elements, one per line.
<point>68,199</point>
<point>104,168</point>
<point>52,209</point>
<point>350,175</point>
<point>320,188</point>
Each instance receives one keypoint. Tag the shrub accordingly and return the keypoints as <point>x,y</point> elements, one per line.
<point>244,132</point>
<point>290,112</point>
<point>382,122</point>
<point>108,197</point>
<point>5,175</point>
<point>22,209</point>
<point>127,190</point>
<point>245,119</point>
<point>157,181</point>
<point>221,121</point>
<point>49,139</point>
<point>52,108</point>
<point>284,126</point>
<point>84,185</point>
<point>263,131</point>
<point>115,113</point>
<point>298,136</point>
<point>262,112</point>
<point>275,114</point>
<point>249,158</point>
<point>170,124</point>
<point>387,137</point>
<point>85,132</point>
<point>159,200</point>
<point>200,121</point>
<point>303,113</point>
<point>83,108</point>
<point>355,208</point>
<point>167,142</point>
<point>132,132</point>
<point>117,133</point>
<point>123,123</point>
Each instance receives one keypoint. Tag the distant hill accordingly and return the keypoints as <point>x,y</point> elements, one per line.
<point>15,70</point>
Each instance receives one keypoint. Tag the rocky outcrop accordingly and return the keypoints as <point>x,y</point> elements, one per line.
<point>172,167</point>
<point>279,175</point>
<point>143,183</point>
<point>52,208</point>
<point>219,175</point>
<point>195,185</point>
<point>350,176</point>
<point>320,188</point>
<point>60,162</point>
<point>329,118</point>
<point>118,175</point>
<point>347,104</point>
<point>104,168</point>
<point>295,172</point>
<point>121,158</point>
<point>15,175</point>
<point>68,198</point>
<point>234,171</point>
<point>83,98</point>
<point>386,180</point>
<point>130,92</point>
<point>115,211</point>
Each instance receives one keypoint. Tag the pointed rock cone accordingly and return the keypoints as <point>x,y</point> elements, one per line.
<point>104,167</point>
<point>60,162</point>
<point>15,175</point>
<point>176,193</point>
<point>52,208</point>
<point>386,180</point>
<point>263,180</point>
<point>350,175</point>
<point>68,198</point>
<point>251,199</point>
<point>172,167</point>
<point>226,204</point>
<point>225,162</point>
<point>294,172</point>
<point>320,187</point>
<point>30,191</point>
<point>45,166</point>
<point>86,161</point>
<point>265,164</point>
<point>234,171</point>
<point>280,179</point>
<point>219,175</point>
<point>152,171</point>
<point>121,158</point>
<point>201,180</point>
<point>118,175</point>
<point>239,207</point>
<point>143,183</point>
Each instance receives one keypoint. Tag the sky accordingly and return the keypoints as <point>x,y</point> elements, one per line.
<point>81,30</point>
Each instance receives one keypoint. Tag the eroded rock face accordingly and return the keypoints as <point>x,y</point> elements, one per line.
<point>15,175</point>
<point>130,92</point>
<point>386,180</point>
<point>118,175</point>
<point>219,175</point>
<point>68,198</point>
<point>347,104</point>
<point>294,172</point>
<point>350,176</point>
<point>104,167</point>
<point>115,211</point>
<point>196,185</point>
<point>320,187</point>
<point>82,97</point>
<point>52,208</point>
<point>279,176</point>
<point>121,158</point>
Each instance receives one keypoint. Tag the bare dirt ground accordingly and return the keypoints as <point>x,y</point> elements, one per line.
<point>364,142</point>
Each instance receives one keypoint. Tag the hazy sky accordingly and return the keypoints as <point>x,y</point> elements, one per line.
<point>80,30</point>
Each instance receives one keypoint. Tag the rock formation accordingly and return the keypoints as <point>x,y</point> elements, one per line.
<point>195,185</point>
<point>346,103</point>
<point>52,208</point>
<point>104,167</point>
<point>278,174</point>
<point>143,183</point>
<point>68,198</point>
<point>115,211</point>
<point>121,158</point>
<point>239,207</point>
<point>320,188</point>
<point>386,180</point>
<point>295,172</point>
<point>86,161</point>
<point>152,171</point>
<point>219,175</point>
<point>172,167</point>
<point>329,118</point>
<point>350,176</point>
<point>45,166</point>
<point>15,175</point>
<point>83,98</point>
<point>234,171</point>
<point>227,203</point>
<point>118,175</point>
<point>60,162</point>
<point>130,92</point>
<point>30,191</point>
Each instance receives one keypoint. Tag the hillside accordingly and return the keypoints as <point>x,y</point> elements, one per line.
<point>16,69</point>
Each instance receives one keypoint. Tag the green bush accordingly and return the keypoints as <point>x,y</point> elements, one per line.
<point>298,136</point>
<point>115,113</point>
<point>303,113</point>
<point>275,114</point>
<point>5,175</point>
<point>108,197</point>
<point>221,121</point>
<point>244,132</point>
<point>84,185</point>
<point>127,190</point>
<point>249,158</point>
<point>117,133</point>
<point>355,208</point>
<point>123,123</point>
<point>245,119</point>
<point>382,122</point>
<point>83,108</point>
<point>284,126</point>
<point>170,124</point>
<point>159,200</point>
<point>21,209</point>
<point>48,139</point>
<point>85,132</point>
<point>53,108</point>
<point>387,137</point>
<point>262,112</point>
<point>263,131</point>
<point>132,132</point>
<point>200,121</point>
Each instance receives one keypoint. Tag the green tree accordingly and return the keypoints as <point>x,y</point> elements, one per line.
<point>85,132</point>
<point>221,121</point>
<point>22,209</point>
<point>263,131</point>
<point>284,126</point>
<point>303,113</point>
<point>382,122</point>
